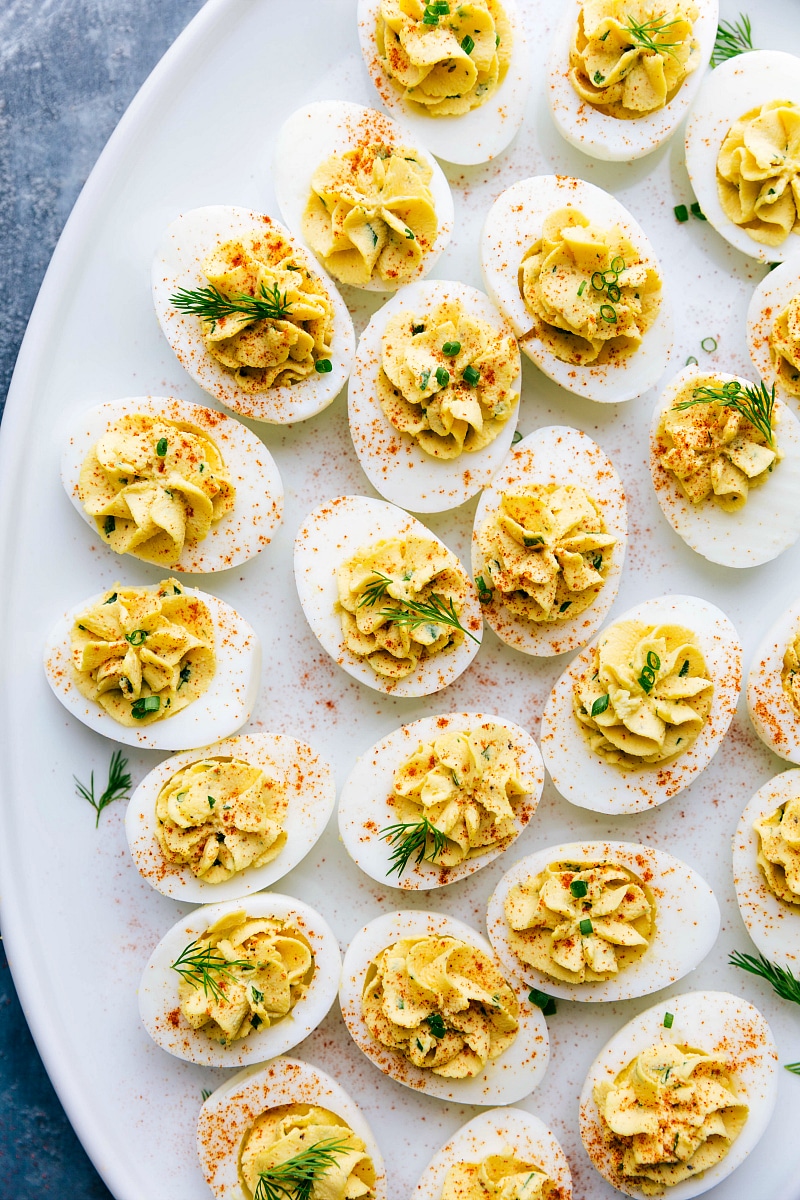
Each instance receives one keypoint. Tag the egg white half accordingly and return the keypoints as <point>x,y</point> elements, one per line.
<point>686,920</point>
<point>240,534</point>
<point>612,138</point>
<point>159,1004</point>
<point>364,808</point>
<point>585,778</point>
<point>310,792</point>
<point>229,1112</point>
<point>512,226</point>
<point>509,1078</point>
<point>475,136</point>
<point>773,717</point>
<point>770,520</point>
<point>313,133</point>
<point>767,303</point>
<point>556,454</point>
<point>499,1131</point>
<point>221,710</point>
<point>329,536</point>
<point>394,462</point>
<point>728,92</point>
<point>178,263</point>
<point>773,925</point>
<point>717,1023</point>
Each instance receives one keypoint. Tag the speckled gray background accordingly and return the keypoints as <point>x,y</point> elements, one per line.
<point>68,70</point>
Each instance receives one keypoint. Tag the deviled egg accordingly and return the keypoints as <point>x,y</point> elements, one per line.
<point>743,152</point>
<point>725,463</point>
<point>457,76</point>
<point>433,395</point>
<point>773,686</point>
<point>386,598</point>
<point>240,982</point>
<point>773,328</point>
<point>253,319</point>
<point>547,585</point>
<point>196,682</point>
<point>677,659</point>
<point>506,1052</point>
<point>766,854</point>
<point>494,1148</point>
<point>719,1051</point>
<point>469,782</point>
<point>262,1118</point>
<point>601,921</point>
<point>596,321</point>
<point>622,96</point>
<point>173,483</point>
<point>356,187</point>
<point>272,798</point>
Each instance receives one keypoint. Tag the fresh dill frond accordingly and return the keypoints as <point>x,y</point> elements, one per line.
<point>375,591</point>
<point>793,1067</point>
<point>117,788</point>
<point>198,965</point>
<point>733,37</point>
<point>645,35</point>
<point>755,404</point>
<point>411,838</point>
<point>212,305</point>
<point>781,978</point>
<point>294,1178</point>
<point>436,611</point>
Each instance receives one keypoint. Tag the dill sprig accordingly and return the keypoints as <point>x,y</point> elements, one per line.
<point>781,978</point>
<point>733,37</point>
<point>375,591</point>
<point>411,838</point>
<point>793,1067</point>
<point>212,305</point>
<point>117,788</point>
<point>198,966</point>
<point>436,611</point>
<point>294,1178</point>
<point>644,34</point>
<point>755,404</point>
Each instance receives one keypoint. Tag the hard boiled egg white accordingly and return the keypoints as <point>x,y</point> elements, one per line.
<point>179,260</point>
<point>686,920</point>
<point>331,535</point>
<point>716,1023</point>
<point>159,1003</point>
<point>364,808</point>
<point>221,710</point>
<point>310,793</point>
<point>513,225</point>
<point>558,455</point>
<point>612,138</point>
<point>728,92</point>
<point>314,133</point>
<point>475,136</point>
<point>586,779</point>
<point>768,302</point>
<point>510,1077</point>
<point>770,520</point>
<point>394,462</point>
<point>240,534</point>
<point>773,924</point>
<point>228,1113</point>
<point>501,1131</point>
<point>774,719</point>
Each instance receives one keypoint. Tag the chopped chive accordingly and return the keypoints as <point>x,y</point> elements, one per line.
<point>451,349</point>
<point>442,376</point>
<point>698,212</point>
<point>600,705</point>
<point>684,669</point>
<point>323,366</point>
<point>533,539</point>
<point>467,44</point>
<point>430,18</point>
<point>668,1020</point>
<point>598,78</point>
<point>772,266</point>
<point>484,592</point>
<point>185,675</point>
<point>541,999</point>
<point>582,288</point>
<point>471,375</point>
<point>691,361</point>
<point>793,1067</point>
<point>516,438</point>
<point>681,213</point>
<point>144,705</point>
<point>410,234</point>
<point>109,525</point>
<point>563,607</point>
<point>137,638</point>
<point>608,314</point>
<point>604,35</point>
<point>496,40</point>
<point>579,888</point>
<point>423,380</point>
<point>161,447</point>
<point>709,344</point>
<point>211,801</point>
<point>415,329</point>
<point>111,598</point>
<point>586,927</point>
<point>435,1023</point>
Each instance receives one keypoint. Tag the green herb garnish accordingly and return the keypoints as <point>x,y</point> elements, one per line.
<point>733,37</point>
<point>516,438</point>
<point>375,591</point>
<point>435,1023</point>
<point>212,305</point>
<point>109,525</point>
<point>646,33</point>
<point>582,287</point>
<point>467,44</point>
<point>684,669</point>
<point>436,611</point>
<point>681,213</point>
<point>442,376</point>
<point>546,1003</point>
<point>668,1019</point>
<point>161,447</point>
<point>755,404</point>
<point>410,838</point>
<point>600,705</point>
<point>198,966</point>
<point>793,1067</point>
<point>451,349</point>
<point>471,375</point>
<point>137,637</point>
<point>117,788</point>
<point>781,978</point>
<point>185,676</point>
<point>144,705</point>
<point>698,212</point>
<point>586,927</point>
<point>484,593</point>
<point>323,366</point>
<point>579,888</point>
<point>710,347</point>
<point>294,1179</point>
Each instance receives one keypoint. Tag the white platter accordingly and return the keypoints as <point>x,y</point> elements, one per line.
<point>184,144</point>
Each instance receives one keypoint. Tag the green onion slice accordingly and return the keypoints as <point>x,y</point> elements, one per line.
<point>582,288</point>
<point>579,888</point>
<point>323,366</point>
<point>467,44</point>
<point>442,376</point>
<point>608,314</point>
<point>691,361</point>
<point>161,447</point>
<point>145,705</point>
<point>600,705</point>
<point>471,375</point>
<point>586,927</point>
<point>668,1020</point>
<point>451,349</point>
<point>137,638</point>
<point>681,213</point>
<point>618,264</point>
<point>653,661</point>
<point>614,292</point>
<point>709,344</point>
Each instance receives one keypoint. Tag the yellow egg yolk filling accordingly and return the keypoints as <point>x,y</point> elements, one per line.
<point>499,1175</point>
<point>779,850</point>
<point>758,172</point>
<point>288,1137</point>
<point>784,346</point>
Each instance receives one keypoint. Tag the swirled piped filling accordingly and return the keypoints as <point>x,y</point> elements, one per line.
<point>779,850</point>
<point>758,172</point>
<point>784,346</point>
<point>501,1175</point>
